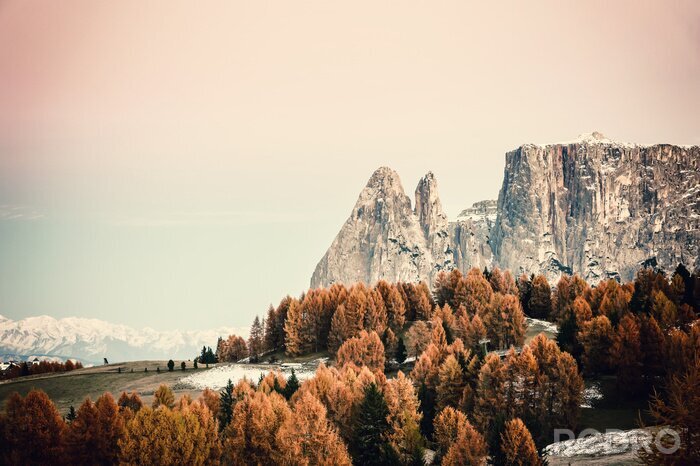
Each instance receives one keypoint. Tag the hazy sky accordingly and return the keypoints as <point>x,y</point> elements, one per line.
<point>184,164</point>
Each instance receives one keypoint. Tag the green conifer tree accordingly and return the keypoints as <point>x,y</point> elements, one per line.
<point>401,351</point>
<point>292,386</point>
<point>370,445</point>
<point>226,406</point>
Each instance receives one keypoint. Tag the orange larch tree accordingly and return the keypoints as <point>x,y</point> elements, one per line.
<point>306,437</point>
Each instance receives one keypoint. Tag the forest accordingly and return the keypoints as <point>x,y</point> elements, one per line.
<point>414,375</point>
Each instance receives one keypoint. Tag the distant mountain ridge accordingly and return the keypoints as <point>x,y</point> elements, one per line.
<point>591,206</point>
<point>90,340</point>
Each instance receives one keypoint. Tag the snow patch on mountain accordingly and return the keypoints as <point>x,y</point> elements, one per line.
<point>91,340</point>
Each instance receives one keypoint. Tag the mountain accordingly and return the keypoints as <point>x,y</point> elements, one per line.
<point>590,206</point>
<point>599,208</point>
<point>385,238</point>
<point>90,340</point>
<point>382,239</point>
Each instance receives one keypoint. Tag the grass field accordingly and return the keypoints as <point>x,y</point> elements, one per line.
<point>71,388</point>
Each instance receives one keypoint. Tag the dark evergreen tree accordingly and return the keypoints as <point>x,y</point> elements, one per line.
<point>226,405</point>
<point>370,445</point>
<point>448,333</point>
<point>219,343</point>
<point>400,351</point>
<point>171,365</point>
<point>194,363</point>
<point>292,386</point>
<point>566,337</point>
<point>540,304</point>
<point>183,365</point>
<point>211,357</point>
<point>427,398</point>
<point>688,281</point>
<point>256,339</point>
<point>524,285</point>
<point>70,417</point>
<point>207,356</point>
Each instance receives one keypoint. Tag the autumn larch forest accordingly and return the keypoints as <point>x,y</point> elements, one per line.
<point>414,376</point>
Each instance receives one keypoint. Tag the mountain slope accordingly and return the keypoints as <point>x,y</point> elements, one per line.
<point>91,340</point>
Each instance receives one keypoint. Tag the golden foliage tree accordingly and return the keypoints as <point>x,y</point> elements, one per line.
<point>394,303</point>
<point>404,416</point>
<point>427,367</point>
<point>490,402</point>
<point>504,321</point>
<point>663,310</point>
<point>477,293</point>
<point>249,439</point>
<point>163,396</point>
<point>307,438</point>
<point>376,318</point>
<point>294,339</point>
<point>211,399</point>
<point>232,349</point>
<point>517,446</point>
<point>163,437</point>
<point>93,435</point>
<point>450,384</point>
<point>627,353</point>
<point>364,350</point>
<point>596,338</point>
<point>447,426</point>
<point>475,333</point>
<point>208,441</point>
<point>418,338</point>
<point>341,330</point>
<point>468,447</point>
<point>33,433</point>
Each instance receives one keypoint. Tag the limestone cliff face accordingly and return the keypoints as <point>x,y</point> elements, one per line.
<point>470,236</point>
<point>598,208</point>
<point>433,222</point>
<point>591,206</point>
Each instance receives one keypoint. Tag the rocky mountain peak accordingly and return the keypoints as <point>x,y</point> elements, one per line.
<point>385,180</point>
<point>383,197</point>
<point>428,206</point>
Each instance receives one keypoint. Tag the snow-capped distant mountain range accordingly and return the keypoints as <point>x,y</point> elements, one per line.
<point>90,340</point>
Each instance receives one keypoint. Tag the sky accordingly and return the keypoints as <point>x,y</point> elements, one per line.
<point>184,164</point>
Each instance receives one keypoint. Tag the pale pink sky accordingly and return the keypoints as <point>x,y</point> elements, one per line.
<point>224,143</point>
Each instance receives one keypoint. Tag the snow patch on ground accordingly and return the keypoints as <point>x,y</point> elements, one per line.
<point>591,395</point>
<point>217,377</point>
<point>542,325</point>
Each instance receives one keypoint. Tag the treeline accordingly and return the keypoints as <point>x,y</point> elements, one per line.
<point>474,306</point>
<point>23,369</point>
